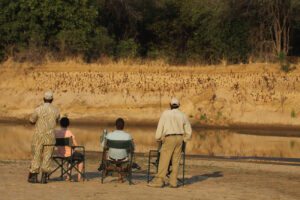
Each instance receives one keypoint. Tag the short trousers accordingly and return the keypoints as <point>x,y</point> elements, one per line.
<point>77,156</point>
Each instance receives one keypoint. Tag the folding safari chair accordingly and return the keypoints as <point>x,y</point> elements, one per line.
<point>66,164</point>
<point>121,167</point>
<point>155,162</point>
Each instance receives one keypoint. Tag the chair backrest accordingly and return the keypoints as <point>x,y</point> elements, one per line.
<point>64,141</point>
<point>119,144</point>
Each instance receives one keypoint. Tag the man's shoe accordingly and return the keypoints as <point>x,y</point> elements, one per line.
<point>32,177</point>
<point>101,167</point>
<point>157,185</point>
<point>136,166</point>
<point>173,186</point>
<point>44,178</point>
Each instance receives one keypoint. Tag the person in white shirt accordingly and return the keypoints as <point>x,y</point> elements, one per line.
<point>119,134</point>
<point>173,129</point>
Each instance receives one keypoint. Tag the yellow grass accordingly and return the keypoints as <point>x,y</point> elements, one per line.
<point>226,94</point>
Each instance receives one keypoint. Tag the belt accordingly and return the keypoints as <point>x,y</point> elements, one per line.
<point>173,135</point>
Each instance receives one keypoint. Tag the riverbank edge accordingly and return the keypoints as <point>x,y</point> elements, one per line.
<point>153,123</point>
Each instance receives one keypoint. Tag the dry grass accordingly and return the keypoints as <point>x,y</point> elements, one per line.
<point>203,90</point>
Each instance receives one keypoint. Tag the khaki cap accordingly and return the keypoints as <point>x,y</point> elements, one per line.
<point>48,96</point>
<point>175,101</point>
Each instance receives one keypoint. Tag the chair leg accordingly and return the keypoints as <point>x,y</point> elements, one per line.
<point>61,170</point>
<point>83,170</point>
<point>183,168</point>
<point>148,172</point>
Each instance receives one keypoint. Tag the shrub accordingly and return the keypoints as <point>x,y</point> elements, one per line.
<point>293,114</point>
<point>126,49</point>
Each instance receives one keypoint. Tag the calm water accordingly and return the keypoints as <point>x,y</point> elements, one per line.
<point>15,141</point>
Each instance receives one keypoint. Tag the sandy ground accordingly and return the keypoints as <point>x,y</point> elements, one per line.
<point>205,179</point>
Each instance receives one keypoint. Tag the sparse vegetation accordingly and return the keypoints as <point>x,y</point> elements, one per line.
<point>219,114</point>
<point>202,137</point>
<point>284,63</point>
<point>292,144</point>
<point>203,117</point>
<point>293,115</point>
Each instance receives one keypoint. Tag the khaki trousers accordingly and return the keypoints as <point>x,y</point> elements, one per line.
<point>171,149</point>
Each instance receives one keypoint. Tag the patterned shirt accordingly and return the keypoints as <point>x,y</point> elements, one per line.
<point>173,122</point>
<point>45,118</point>
<point>118,135</point>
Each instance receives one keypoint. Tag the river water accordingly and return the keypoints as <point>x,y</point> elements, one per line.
<point>15,141</point>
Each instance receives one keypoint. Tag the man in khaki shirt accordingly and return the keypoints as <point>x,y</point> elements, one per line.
<point>173,128</point>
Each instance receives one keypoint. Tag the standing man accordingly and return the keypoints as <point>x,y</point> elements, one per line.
<point>45,118</point>
<point>173,128</point>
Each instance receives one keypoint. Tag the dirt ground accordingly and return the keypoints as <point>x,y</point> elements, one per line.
<point>205,179</point>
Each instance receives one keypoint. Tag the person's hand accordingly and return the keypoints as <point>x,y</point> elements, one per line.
<point>162,139</point>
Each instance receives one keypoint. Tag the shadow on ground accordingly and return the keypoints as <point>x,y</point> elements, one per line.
<point>203,177</point>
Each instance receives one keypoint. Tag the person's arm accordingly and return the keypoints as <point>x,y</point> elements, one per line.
<point>73,139</point>
<point>34,117</point>
<point>160,128</point>
<point>187,129</point>
<point>103,140</point>
<point>57,116</point>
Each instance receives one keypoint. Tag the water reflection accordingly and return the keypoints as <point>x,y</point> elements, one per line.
<point>15,141</point>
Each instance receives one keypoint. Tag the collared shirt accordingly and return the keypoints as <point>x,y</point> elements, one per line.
<point>65,151</point>
<point>118,135</point>
<point>173,122</point>
<point>45,118</point>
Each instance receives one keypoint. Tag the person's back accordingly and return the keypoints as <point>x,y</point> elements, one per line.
<point>173,129</point>
<point>45,118</point>
<point>65,151</point>
<point>173,121</point>
<point>118,154</point>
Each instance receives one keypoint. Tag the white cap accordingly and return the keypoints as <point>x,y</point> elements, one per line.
<point>48,96</point>
<point>175,101</point>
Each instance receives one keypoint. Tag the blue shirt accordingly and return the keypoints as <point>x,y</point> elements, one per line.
<point>118,135</point>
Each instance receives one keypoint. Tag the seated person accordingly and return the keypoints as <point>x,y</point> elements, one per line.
<point>65,151</point>
<point>119,134</point>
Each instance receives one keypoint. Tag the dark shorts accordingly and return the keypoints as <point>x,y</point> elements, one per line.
<point>77,156</point>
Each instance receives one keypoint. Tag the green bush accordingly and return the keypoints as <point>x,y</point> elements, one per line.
<point>293,114</point>
<point>126,49</point>
<point>292,144</point>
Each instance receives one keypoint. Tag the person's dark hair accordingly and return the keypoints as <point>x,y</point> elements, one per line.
<point>64,122</point>
<point>48,101</point>
<point>120,124</point>
<point>174,106</point>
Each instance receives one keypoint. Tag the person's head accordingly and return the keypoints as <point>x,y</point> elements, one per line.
<point>175,103</point>
<point>48,97</point>
<point>120,124</point>
<point>64,122</point>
